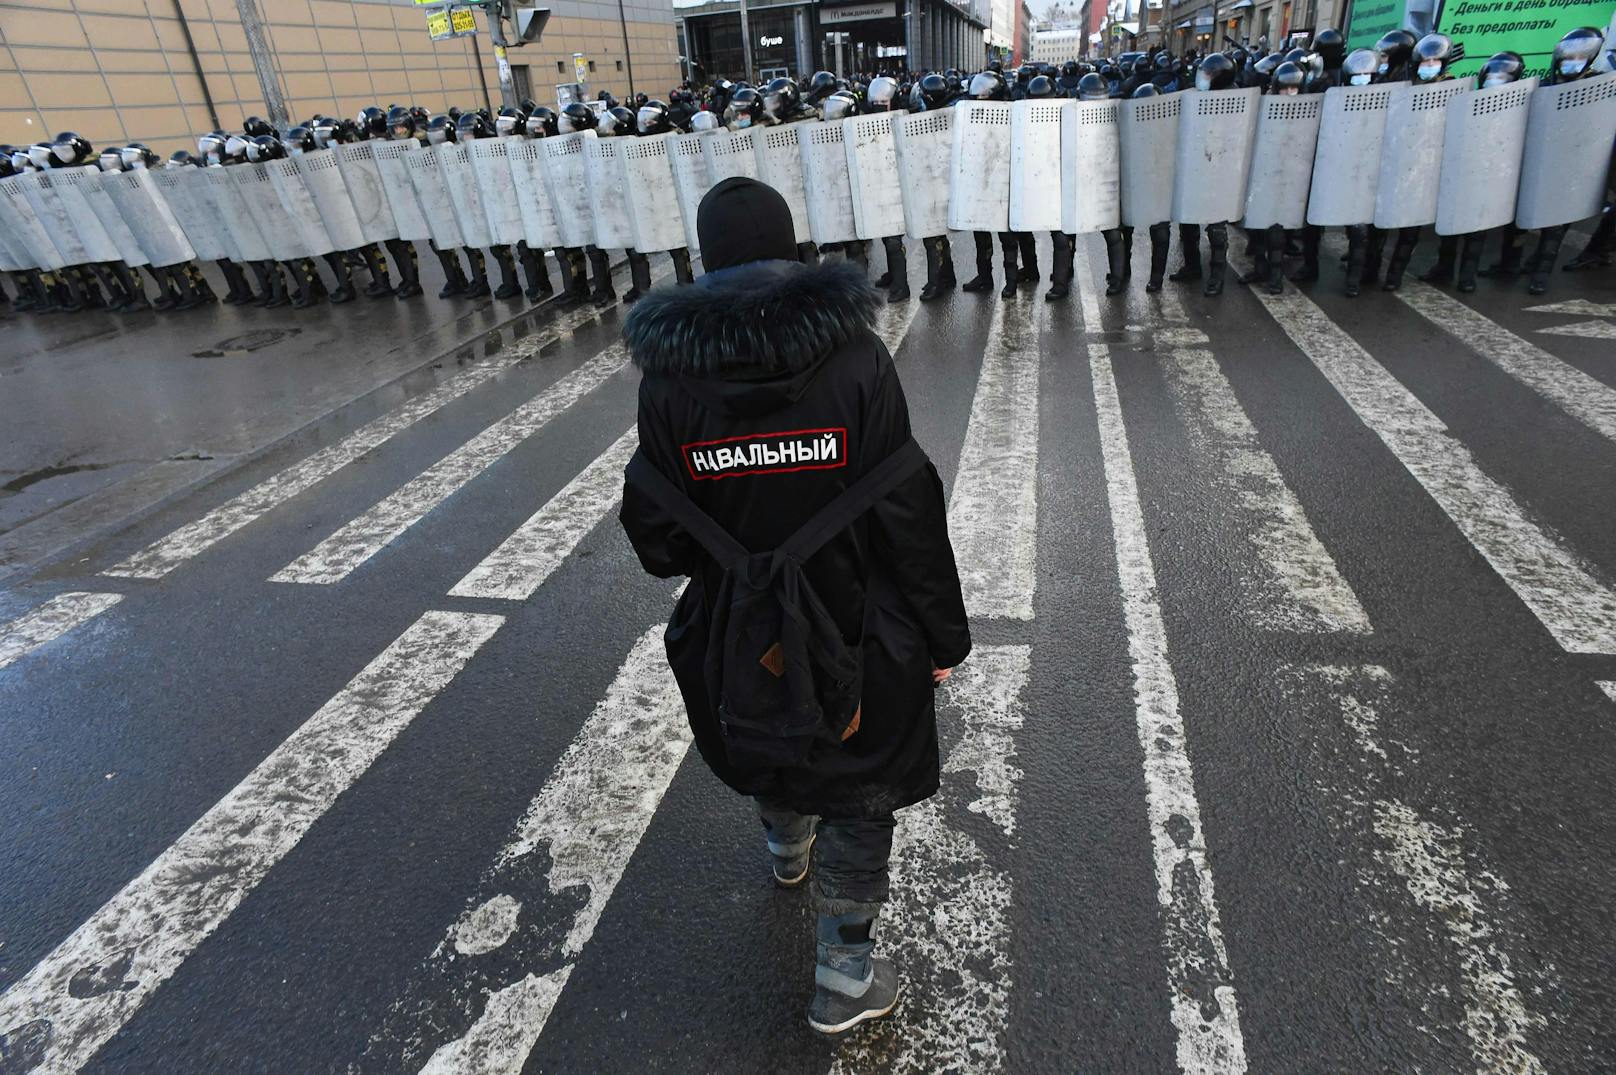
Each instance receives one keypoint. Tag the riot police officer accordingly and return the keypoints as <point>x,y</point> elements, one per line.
<point>1268,246</point>
<point>989,85</point>
<point>373,123</point>
<point>883,96</point>
<point>1216,72</point>
<point>328,133</point>
<point>441,129</point>
<point>410,124</point>
<point>1433,54</point>
<point>935,93</point>
<point>1039,88</point>
<point>123,287</point>
<point>576,117</point>
<point>470,127</point>
<point>1574,58</point>
<point>298,141</point>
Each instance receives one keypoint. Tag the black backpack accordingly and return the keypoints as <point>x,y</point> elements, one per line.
<point>780,676</point>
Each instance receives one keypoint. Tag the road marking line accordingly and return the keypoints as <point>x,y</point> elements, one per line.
<point>167,553</point>
<point>573,842</point>
<point>81,994</point>
<point>523,561</point>
<point>1609,687</point>
<point>1588,330</point>
<point>1083,281</point>
<point>1564,594</point>
<point>947,926</point>
<point>1204,1008</point>
<point>1579,307</point>
<point>1585,398</point>
<point>50,621</point>
<point>993,513</point>
<point>1304,590</point>
<point>333,559</point>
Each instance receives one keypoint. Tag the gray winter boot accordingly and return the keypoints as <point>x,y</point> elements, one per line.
<point>852,985</point>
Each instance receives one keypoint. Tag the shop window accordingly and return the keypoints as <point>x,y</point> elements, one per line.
<point>619,65</point>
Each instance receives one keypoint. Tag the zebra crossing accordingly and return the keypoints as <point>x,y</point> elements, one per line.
<point>505,969</point>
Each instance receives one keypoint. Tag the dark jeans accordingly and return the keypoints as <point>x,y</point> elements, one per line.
<point>850,856</point>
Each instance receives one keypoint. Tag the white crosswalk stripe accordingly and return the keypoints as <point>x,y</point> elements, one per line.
<point>95,980</point>
<point>50,621</point>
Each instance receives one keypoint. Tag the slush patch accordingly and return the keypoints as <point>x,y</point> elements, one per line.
<point>767,453</point>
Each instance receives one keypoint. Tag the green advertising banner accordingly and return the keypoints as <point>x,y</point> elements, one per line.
<point>1370,20</point>
<point>1529,27</point>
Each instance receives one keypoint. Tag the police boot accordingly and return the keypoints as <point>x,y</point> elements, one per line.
<point>1447,255</point>
<point>533,267</point>
<point>1008,250</point>
<point>1374,247</point>
<point>1161,236</point>
<point>681,266</point>
<point>409,268</point>
<point>1597,254</point>
<point>1258,252</point>
<point>344,274</point>
<point>862,250</point>
<point>1116,269</point>
<point>90,288</point>
<point>199,282</point>
<point>808,253</point>
<point>1470,259</point>
<point>851,985</point>
<point>239,290</point>
<point>478,287</point>
<point>639,276</point>
<point>1060,269</point>
<point>1308,271</point>
<point>1217,241</point>
<point>600,269</point>
<point>1509,261</point>
<point>984,263</point>
<point>1276,260</point>
<point>1357,241</point>
<point>454,277</point>
<point>897,269</point>
<point>575,276</point>
<point>1407,240</point>
<point>1548,251</point>
<point>509,285</point>
<point>1127,253</point>
<point>381,283</point>
<point>310,288</point>
<point>28,292</point>
<point>271,285</point>
<point>1189,241</point>
<point>933,269</point>
<point>109,285</point>
<point>190,295</point>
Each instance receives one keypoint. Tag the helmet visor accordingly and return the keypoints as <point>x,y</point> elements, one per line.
<point>983,86</point>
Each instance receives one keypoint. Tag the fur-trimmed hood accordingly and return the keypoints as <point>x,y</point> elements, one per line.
<point>752,322</point>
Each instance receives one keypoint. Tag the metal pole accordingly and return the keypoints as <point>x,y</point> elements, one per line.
<point>196,64</point>
<point>493,11</point>
<point>269,83</point>
<point>482,76</point>
<point>628,53</point>
<point>746,45</point>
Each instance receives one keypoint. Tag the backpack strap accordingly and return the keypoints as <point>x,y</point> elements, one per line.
<point>670,498</point>
<point>855,500</point>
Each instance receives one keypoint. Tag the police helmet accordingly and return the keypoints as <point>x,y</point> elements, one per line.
<point>987,86</point>
<point>616,120</point>
<point>653,118</point>
<point>400,123</point>
<point>1165,61</point>
<point>266,147</point>
<point>575,117</point>
<point>40,155</point>
<point>1295,56</point>
<point>1040,87</point>
<point>137,156</point>
<point>71,148</point>
<point>1091,87</point>
<point>1501,69</point>
<point>882,93</point>
<point>235,148</point>
<point>1069,69</point>
<point>1287,80</point>
<point>781,99</point>
<point>1394,47</point>
<point>745,108</point>
<point>934,91</point>
<point>1432,54</point>
<point>1024,73</point>
<point>1147,90</point>
<point>1576,52</point>
<point>473,125</point>
<point>180,158</point>
<point>299,139</point>
<point>211,146</point>
<point>1269,64</point>
<point>372,122</point>
<point>541,123</point>
<point>1215,73</point>
<point>821,86</point>
<point>1332,46</point>
<point>1359,68</point>
<point>509,120</point>
<point>839,105</point>
<point>253,126</point>
<point>110,160</point>
<point>6,168</point>
<point>440,129</point>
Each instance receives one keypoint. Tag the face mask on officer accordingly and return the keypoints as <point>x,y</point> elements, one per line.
<point>1573,65</point>
<point>1430,69</point>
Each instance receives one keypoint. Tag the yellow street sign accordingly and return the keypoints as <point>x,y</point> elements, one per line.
<point>450,22</point>
<point>462,21</point>
<point>437,24</point>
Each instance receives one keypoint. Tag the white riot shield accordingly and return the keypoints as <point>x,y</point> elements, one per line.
<point>1569,131</point>
<point>690,180</point>
<point>924,142</point>
<point>41,193</point>
<point>1346,161</point>
<point>567,173</point>
<point>106,211</point>
<point>1091,160</point>
<point>1481,158</point>
<point>603,163</point>
<point>26,228</point>
<point>1035,165</point>
<point>1213,159</point>
<point>71,186</point>
<point>1148,130</point>
<point>825,183</point>
<point>322,177</point>
<point>148,216</point>
<point>979,167</point>
<point>731,154</point>
<point>363,179</point>
<point>430,180</point>
<point>301,211</point>
<point>257,189</point>
<point>492,167</point>
<point>401,196</point>
<point>13,257</point>
<point>465,195</point>
<point>779,163</point>
<point>646,177</point>
<point>1282,161</point>
<point>526,158</point>
<point>1411,153</point>
<point>238,219</point>
<point>193,209</point>
<point>872,175</point>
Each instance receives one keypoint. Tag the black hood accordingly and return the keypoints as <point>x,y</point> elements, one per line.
<point>748,340</point>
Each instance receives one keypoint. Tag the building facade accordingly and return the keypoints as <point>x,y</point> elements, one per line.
<point>163,71</point>
<point>1057,44</point>
<point>795,38</point>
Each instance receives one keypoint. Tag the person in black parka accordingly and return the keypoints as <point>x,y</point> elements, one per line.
<point>765,350</point>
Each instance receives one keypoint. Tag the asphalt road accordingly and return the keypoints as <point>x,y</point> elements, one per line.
<point>1288,744</point>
